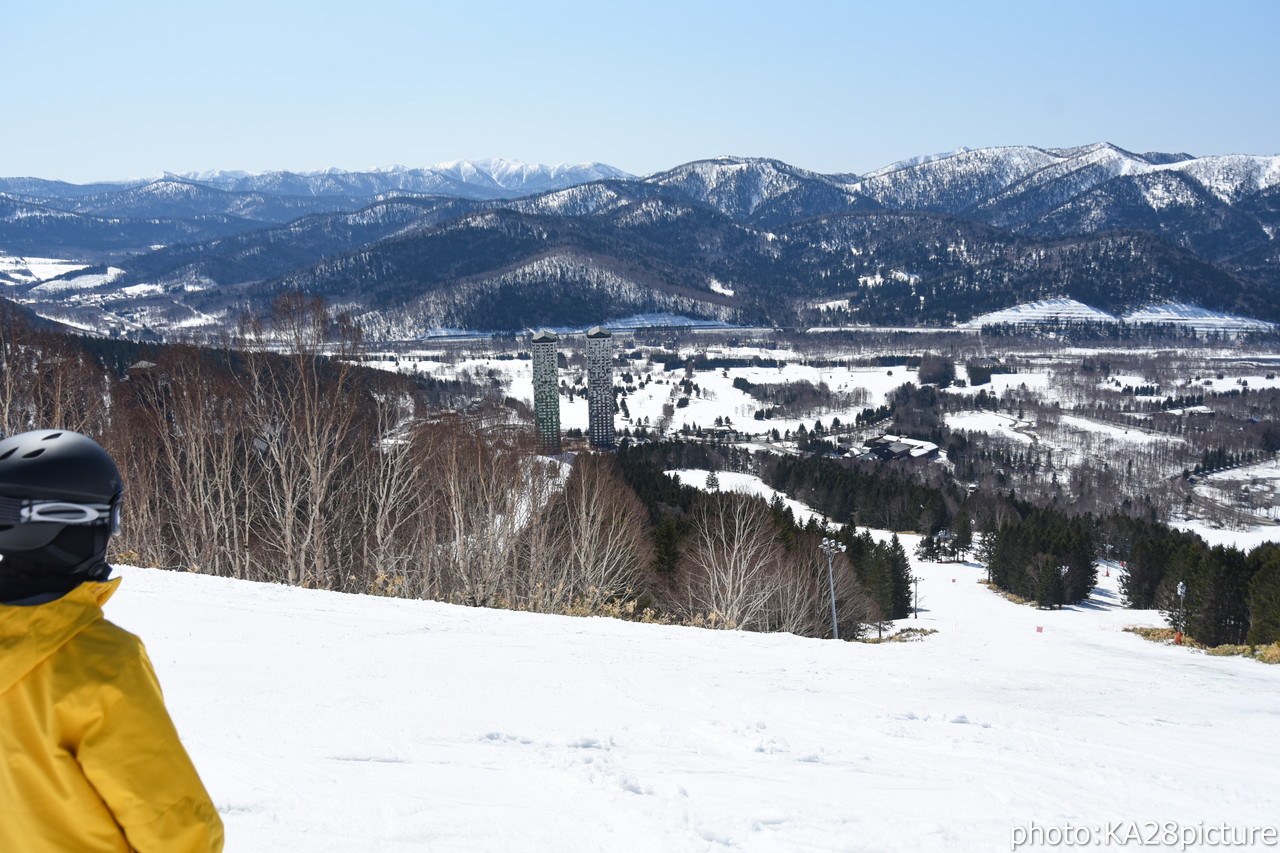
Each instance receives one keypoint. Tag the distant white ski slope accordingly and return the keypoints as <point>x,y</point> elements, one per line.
<point>1045,310</point>
<point>1074,311</point>
<point>328,722</point>
<point>17,270</point>
<point>1199,318</point>
<point>747,484</point>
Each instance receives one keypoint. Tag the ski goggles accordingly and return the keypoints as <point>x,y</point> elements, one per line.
<point>27,511</point>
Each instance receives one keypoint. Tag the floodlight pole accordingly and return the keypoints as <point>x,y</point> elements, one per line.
<point>1182,605</point>
<point>830,547</point>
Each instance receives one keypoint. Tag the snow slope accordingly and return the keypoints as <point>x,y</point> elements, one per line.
<point>16,270</point>
<point>1043,311</point>
<point>1200,319</point>
<point>746,484</point>
<point>1064,310</point>
<point>328,722</point>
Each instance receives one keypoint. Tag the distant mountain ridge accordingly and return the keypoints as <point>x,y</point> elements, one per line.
<point>501,244</point>
<point>492,177</point>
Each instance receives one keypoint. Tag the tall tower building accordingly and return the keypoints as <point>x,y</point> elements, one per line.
<point>600,386</point>
<point>546,391</point>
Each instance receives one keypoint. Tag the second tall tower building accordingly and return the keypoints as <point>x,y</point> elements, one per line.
<point>600,387</point>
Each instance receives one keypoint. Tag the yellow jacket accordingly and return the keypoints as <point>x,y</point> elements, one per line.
<point>89,759</point>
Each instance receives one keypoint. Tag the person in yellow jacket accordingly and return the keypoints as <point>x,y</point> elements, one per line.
<point>89,758</point>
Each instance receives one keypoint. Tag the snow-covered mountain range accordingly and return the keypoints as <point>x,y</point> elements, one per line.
<point>491,177</point>
<point>503,244</point>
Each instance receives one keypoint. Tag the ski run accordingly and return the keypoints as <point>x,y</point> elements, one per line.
<point>330,722</point>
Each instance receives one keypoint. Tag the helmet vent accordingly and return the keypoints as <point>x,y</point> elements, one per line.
<point>8,453</point>
<point>33,454</point>
<point>51,436</point>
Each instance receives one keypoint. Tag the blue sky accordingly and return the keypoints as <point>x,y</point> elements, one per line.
<point>99,91</point>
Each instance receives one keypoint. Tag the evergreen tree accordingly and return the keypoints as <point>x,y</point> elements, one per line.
<point>987,546</point>
<point>1226,615</point>
<point>1050,584</point>
<point>666,545</point>
<point>1005,563</point>
<point>928,549</point>
<point>858,545</point>
<point>1079,554</point>
<point>1183,568</point>
<point>1145,569</point>
<point>1264,595</point>
<point>900,575</point>
<point>962,530</point>
<point>875,575</point>
<point>1215,607</point>
<point>785,520</point>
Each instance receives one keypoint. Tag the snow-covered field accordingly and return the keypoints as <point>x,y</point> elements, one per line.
<point>82,282</point>
<point>329,722</point>
<point>992,423</point>
<point>19,270</point>
<point>1112,432</point>
<point>1002,382</point>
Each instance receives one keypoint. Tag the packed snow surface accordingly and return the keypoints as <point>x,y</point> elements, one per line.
<point>329,722</point>
<point>1043,311</point>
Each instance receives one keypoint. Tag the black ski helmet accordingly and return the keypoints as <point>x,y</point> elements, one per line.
<point>51,479</point>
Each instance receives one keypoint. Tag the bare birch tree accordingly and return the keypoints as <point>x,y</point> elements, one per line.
<point>395,501</point>
<point>602,547</point>
<point>46,382</point>
<point>729,572</point>
<point>484,506</point>
<point>303,409</point>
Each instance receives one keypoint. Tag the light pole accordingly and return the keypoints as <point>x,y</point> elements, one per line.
<point>831,547</point>
<point>1182,606</point>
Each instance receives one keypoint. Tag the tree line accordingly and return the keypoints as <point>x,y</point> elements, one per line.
<point>1043,554</point>
<point>281,459</point>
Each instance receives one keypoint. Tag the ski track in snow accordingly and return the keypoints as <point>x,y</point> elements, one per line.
<point>329,722</point>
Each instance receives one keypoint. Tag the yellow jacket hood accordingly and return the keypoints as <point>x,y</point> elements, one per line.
<point>90,760</point>
<point>30,634</point>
